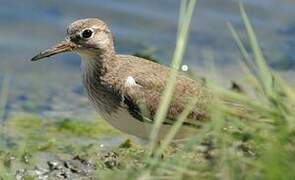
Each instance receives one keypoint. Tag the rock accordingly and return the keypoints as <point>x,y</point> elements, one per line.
<point>111,160</point>
<point>75,168</point>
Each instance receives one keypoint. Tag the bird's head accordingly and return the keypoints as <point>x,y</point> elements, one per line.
<point>86,37</point>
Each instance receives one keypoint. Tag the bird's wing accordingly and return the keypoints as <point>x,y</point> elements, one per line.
<point>142,83</point>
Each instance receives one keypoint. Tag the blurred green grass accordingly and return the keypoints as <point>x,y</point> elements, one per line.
<point>254,142</point>
<point>38,134</point>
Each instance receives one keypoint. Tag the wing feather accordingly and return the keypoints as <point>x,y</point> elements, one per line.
<point>144,97</point>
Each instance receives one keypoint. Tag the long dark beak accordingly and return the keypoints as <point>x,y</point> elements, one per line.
<point>64,46</point>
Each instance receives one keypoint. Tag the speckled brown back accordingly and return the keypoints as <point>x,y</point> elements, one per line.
<point>151,79</point>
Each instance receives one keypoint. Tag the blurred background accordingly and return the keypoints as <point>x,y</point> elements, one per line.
<point>53,87</point>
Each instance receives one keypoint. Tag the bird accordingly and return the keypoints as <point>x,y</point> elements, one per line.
<point>126,90</point>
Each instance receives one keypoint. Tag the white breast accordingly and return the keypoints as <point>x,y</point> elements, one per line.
<point>123,121</point>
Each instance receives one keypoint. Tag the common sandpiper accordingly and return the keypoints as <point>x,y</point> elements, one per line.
<point>121,86</point>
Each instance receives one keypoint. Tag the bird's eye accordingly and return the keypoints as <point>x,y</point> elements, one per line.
<point>87,33</point>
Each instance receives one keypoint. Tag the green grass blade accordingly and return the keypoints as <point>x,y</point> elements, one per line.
<point>174,129</point>
<point>286,88</point>
<point>176,62</point>
<point>264,72</point>
<point>245,56</point>
<point>4,96</point>
<point>243,100</point>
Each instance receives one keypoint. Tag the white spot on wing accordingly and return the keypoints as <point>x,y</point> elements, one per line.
<point>130,82</point>
<point>184,67</point>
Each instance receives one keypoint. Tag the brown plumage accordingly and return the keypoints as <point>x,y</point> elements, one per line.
<point>125,89</point>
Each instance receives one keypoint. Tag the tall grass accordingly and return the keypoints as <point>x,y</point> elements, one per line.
<point>186,12</point>
<point>4,92</point>
<point>4,95</point>
<point>268,115</point>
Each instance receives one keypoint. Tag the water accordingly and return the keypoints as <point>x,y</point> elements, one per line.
<point>53,87</point>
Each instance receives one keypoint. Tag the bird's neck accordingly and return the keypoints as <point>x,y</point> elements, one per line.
<point>97,64</point>
<point>95,68</point>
